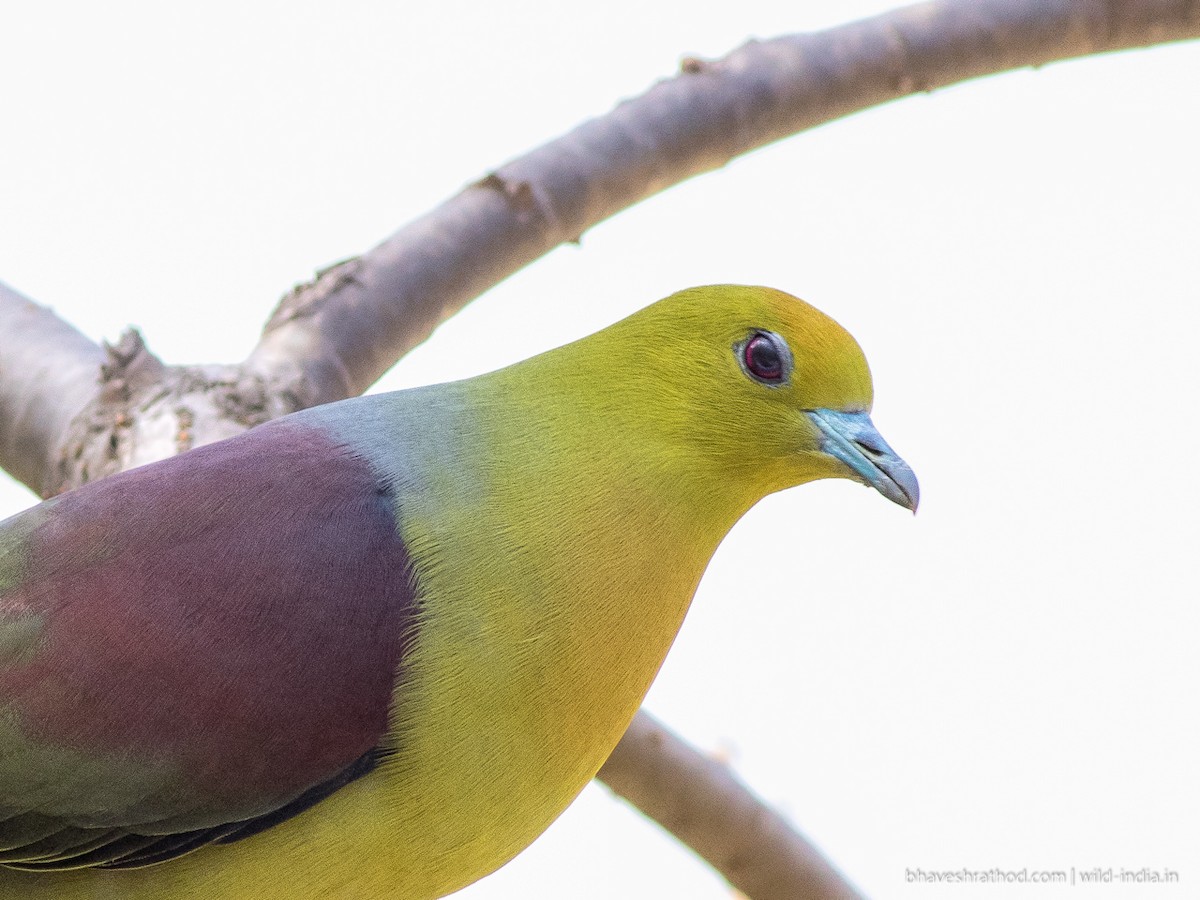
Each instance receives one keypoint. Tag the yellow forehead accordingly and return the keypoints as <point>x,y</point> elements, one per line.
<point>830,369</point>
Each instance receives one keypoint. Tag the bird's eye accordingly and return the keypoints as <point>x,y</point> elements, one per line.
<point>766,358</point>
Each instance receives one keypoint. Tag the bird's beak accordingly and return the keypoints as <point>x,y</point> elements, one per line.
<point>852,439</point>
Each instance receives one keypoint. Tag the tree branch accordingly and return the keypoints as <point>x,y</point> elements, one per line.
<point>702,803</point>
<point>48,375</point>
<point>335,336</point>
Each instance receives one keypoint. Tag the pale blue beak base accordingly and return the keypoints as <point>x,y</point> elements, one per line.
<point>853,439</point>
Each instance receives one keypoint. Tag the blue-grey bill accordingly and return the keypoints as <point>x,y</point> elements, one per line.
<point>853,439</point>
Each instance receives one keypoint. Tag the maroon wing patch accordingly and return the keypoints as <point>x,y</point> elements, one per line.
<point>239,612</point>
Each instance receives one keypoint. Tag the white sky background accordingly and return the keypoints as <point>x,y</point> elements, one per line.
<point>1009,679</point>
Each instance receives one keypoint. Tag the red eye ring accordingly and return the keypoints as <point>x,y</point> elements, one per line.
<point>765,357</point>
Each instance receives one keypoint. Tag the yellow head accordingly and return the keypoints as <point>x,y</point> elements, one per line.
<point>575,505</point>
<point>734,382</point>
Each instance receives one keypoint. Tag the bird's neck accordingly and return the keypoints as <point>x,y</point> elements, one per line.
<point>588,529</point>
<point>556,553</point>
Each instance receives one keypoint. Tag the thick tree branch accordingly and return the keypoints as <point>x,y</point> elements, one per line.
<point>48,375</point>
<point>699,800</point>
<point>334,337</point>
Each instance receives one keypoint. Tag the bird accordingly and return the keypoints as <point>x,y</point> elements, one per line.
<point>374,648</point>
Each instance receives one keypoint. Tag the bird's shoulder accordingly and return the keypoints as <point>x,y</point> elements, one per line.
<point>194,648</point>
